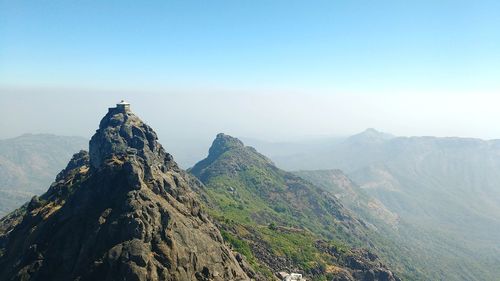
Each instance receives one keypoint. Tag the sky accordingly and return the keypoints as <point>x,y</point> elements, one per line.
<point>274,70</point>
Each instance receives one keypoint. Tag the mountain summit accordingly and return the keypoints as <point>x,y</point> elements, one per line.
<point>122,134</point>
<point>123,211</point>
<point>371,135</point>
<point>223,143</point>
<point>281,222</point>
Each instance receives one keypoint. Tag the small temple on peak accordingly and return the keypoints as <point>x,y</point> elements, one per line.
<point>123,105</point>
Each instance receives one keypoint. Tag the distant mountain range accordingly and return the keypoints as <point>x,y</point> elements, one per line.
<point>427,208</point>
<point>446,188</point>
<point>29,163</point>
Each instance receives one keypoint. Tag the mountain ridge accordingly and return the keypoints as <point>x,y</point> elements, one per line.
<point>124,209</point>
<point>445,189</point>
<point>262,209</point>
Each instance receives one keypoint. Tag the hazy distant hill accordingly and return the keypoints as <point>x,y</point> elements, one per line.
<point>29,163</point>
<point>352,196</point>
<point>447,188</point>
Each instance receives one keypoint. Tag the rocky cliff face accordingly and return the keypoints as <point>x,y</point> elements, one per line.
<point>123,211</point>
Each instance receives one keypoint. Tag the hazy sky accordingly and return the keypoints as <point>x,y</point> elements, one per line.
<point>262,69</point>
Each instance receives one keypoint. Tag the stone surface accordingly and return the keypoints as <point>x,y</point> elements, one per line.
<point>123,211</point>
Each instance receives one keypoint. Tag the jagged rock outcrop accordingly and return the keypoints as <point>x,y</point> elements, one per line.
<point>356,264</point>
<point>123,211</point>
<point>211,167</point>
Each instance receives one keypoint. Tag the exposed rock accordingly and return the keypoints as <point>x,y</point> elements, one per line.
<point>124,211</point>
<point>357,264</point>
<point>223,143</point>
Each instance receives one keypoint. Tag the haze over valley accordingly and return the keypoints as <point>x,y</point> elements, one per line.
<point>249,140</point>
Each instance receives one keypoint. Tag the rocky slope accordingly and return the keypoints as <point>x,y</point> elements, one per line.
<point>28,164</point>
<point>123,211</point>
<point>281,222</point>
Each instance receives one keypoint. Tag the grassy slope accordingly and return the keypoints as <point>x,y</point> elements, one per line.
<point>251,198</point>
<point>439,255</point>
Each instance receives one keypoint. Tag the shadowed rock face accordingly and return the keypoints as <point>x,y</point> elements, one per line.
<point>124,211</point>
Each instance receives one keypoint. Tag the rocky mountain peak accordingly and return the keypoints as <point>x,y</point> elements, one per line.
<point>223,143</point>
<point>266,196</point>
<point>122,134</point>
<point>124,211</point>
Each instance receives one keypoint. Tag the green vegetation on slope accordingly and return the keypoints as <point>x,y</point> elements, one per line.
<point>431,250</point>
<point>279,220</point>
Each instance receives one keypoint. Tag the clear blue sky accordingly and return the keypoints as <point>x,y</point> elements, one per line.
<point>341,45</point>
<point>265,69</point>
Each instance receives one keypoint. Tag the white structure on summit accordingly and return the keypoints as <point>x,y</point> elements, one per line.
<point>290,277</point>
<point>125,106</point>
